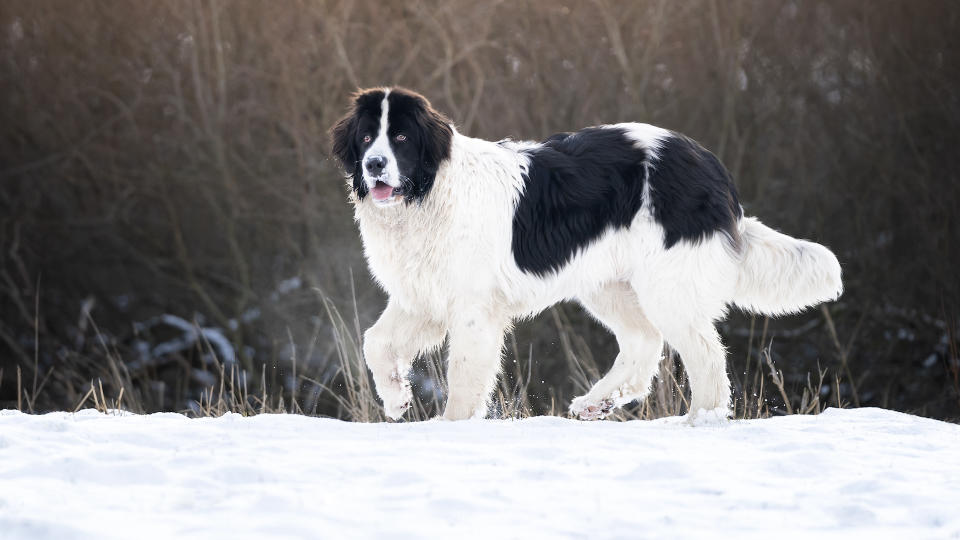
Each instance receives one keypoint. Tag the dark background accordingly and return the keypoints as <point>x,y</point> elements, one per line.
<point>168,204</point>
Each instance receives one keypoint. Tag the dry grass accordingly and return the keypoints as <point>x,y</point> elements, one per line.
<point>348,392</point>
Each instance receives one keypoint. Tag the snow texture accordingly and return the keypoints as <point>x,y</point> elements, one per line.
<point>861,473</point>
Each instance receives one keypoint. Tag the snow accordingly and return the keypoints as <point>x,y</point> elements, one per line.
<point>849,473</point>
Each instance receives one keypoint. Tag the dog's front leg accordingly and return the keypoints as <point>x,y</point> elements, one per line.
<point>473,365</point>
<point>390,347</point>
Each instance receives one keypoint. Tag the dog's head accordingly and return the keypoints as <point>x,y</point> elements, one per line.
<point>391,142</point>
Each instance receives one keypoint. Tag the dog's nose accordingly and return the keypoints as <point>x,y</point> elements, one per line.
<point>375,165</point>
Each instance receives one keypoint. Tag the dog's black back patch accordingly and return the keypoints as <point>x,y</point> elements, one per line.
<point>577,185</point>
<point>580,184</point>
<point>693,194</point>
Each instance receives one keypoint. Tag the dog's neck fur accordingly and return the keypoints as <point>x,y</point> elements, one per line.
<point>443,235</point>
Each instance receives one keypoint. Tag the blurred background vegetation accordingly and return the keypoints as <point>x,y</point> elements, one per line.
<point>172,225</point>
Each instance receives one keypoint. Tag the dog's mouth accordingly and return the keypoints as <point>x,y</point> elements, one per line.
<point>382,192</point>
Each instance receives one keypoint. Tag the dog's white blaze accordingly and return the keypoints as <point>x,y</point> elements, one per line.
<point>381,147</point>
<point>384,114</point>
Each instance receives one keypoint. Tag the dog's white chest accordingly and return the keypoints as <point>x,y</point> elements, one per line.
<point>411,258</point>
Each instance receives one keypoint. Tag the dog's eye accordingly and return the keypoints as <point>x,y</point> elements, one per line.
<point>367,138</point>
<point>400,138</point>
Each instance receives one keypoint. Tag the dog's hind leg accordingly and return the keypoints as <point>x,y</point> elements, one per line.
<point>702,354</point>
<point>704,359</point>
<point>616,306</point>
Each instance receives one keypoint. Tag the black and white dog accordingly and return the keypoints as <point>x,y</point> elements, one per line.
<point>640,225</point>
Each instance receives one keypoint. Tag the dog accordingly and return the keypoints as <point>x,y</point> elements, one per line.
<point>640,225</point>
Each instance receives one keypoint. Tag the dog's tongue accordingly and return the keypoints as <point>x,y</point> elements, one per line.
<point>382,191</point>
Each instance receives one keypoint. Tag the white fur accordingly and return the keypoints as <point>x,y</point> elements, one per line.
<point>448,268</point>
<point>781,274</point>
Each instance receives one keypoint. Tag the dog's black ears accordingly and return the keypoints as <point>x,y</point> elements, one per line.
<point>436,137</point>
<point>436,134</point>
<point>343,136</point>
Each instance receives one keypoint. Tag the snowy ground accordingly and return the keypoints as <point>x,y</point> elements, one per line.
<point>845,473</point>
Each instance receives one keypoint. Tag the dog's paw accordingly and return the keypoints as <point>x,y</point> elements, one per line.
<point>396,395</point>
<point>585,408</point>
<point>717,416</point>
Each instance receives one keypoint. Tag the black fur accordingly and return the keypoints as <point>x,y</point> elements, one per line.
<point>577,185</point>
<point>693,194</point>
<point>346,135</point>
<point>580,184</point>
<point>429,136</point>
<point>428,139</point>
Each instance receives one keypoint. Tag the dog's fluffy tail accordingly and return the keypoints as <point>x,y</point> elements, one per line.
<point>780,274</point>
